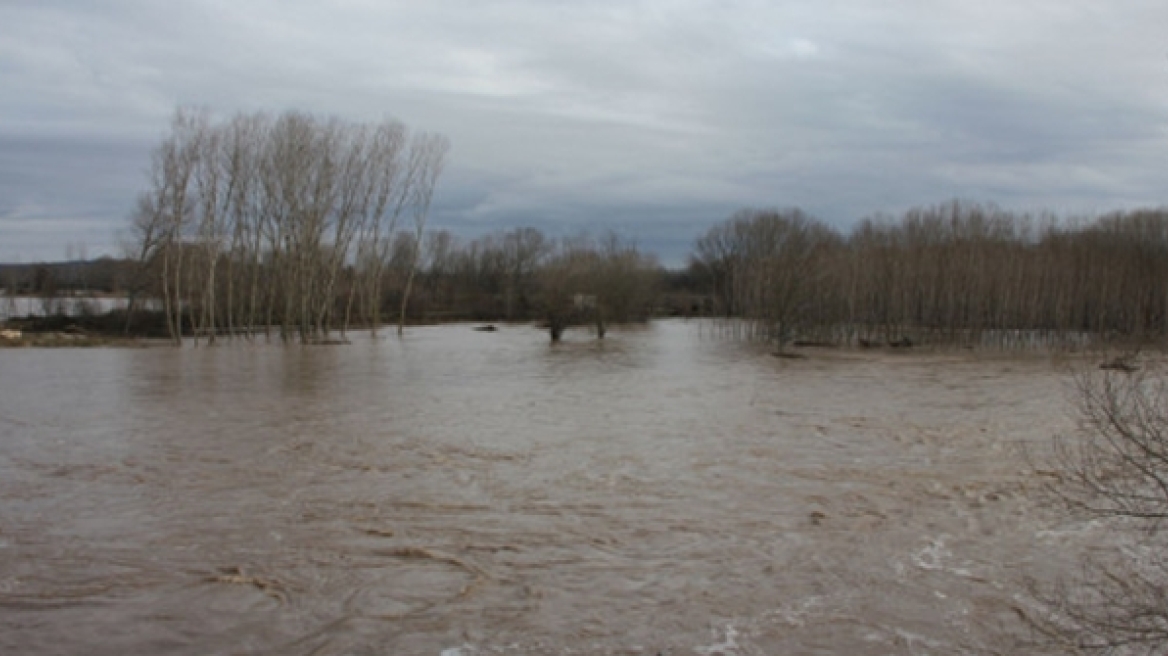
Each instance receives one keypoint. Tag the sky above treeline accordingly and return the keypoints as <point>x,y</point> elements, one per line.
<point>654,118</point>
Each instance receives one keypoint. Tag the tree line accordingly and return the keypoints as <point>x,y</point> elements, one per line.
<point>524,275</point>
<point>954,273</point>
<point>292,227</point>
<point>958,273</point>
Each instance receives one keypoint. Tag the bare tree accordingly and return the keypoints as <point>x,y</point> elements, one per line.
<point>1115,470</point>
<point>174,167</point>
<point>298,211</point>
<point>566,287</point>
<point>426,161</point>
<point>584,281</point>
<point>141,248</point>
<point>389,189</point>
<point>523,250</point>
<point>212,229</point>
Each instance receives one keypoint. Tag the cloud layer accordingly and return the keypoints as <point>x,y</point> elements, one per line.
<point>656,118</point>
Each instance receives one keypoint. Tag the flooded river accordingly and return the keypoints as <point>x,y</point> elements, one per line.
<point>459,493</point>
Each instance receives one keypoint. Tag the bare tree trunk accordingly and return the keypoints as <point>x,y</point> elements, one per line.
<point>427,159</point>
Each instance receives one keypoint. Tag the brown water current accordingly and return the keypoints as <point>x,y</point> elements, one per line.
<point>458,493</point>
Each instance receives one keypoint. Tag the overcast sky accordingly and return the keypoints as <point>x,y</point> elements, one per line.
<point>657,118</point>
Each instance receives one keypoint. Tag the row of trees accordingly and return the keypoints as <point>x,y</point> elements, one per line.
<point>297,226</point>
<point>284,222</point>
<point>523,275</point>
<point>957,272</point>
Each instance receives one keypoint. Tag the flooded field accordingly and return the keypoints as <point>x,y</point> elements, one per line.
<point>458,493</point>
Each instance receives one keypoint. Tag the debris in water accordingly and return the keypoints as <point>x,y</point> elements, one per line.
<point>236,575</point>
<point>727,647</point>
<point>427,554</point>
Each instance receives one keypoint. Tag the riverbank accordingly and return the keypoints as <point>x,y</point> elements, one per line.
<point>19,339</point>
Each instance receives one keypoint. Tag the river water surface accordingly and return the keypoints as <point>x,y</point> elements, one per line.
<point>456,492</point>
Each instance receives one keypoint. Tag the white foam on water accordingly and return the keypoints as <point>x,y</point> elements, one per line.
<point>930,556</point>
<point>728,647</point>
<point>914,640</point>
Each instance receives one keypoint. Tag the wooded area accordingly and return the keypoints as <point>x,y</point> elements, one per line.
<point>284,224</point>
<point>293,227</point>
<point>957,273</point>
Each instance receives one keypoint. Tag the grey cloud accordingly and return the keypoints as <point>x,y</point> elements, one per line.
<point>60,191</point>
<point>658,116</point>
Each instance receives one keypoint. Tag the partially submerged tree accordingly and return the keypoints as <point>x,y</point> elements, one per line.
<point>426,160</point>
<point>261,223</point>
<point>773,268</point>
<point>598,283</point>
<point>956,273</point>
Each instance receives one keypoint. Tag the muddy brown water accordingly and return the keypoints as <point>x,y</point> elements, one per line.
<point>458,493</point>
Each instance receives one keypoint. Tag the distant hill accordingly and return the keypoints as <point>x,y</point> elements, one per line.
<point>104,275</point>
